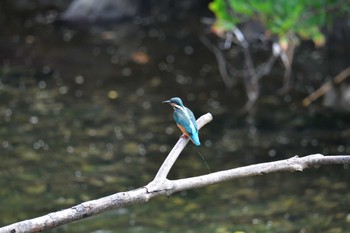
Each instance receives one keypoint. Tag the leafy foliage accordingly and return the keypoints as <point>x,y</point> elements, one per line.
<point>280,17</point>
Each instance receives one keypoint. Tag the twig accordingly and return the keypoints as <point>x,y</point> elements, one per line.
<point>222,63</point>
<point>250,80</point>
<point>164,186</point>
<point>326,87</point>
<point>287,57</point>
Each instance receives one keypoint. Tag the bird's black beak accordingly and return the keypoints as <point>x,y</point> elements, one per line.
<point>166,102</point>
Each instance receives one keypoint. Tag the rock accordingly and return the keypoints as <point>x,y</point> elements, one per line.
<point>91,11</point>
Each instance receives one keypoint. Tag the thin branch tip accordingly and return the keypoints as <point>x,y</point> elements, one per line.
<point>204,119</point>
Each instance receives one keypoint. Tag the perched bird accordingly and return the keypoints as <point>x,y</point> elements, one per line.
<point>184,119</point>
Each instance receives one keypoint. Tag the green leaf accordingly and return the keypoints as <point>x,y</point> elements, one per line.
<point>302,17</point>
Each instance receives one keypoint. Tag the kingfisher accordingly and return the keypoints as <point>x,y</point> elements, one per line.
<point>184,119</point>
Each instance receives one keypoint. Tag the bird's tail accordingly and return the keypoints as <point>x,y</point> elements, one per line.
<point>195,139</point>
<point>202,157</point>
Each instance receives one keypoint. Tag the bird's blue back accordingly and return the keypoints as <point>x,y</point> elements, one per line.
<point>186,119</point>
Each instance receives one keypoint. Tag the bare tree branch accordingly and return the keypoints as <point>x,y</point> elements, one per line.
<point>287,56</point>
<point>326,87</point>
<point>222,63</point>
<point>291,165</point>
<point>162,186</point>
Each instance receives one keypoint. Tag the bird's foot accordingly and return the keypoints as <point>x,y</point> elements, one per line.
<point>184,136</point>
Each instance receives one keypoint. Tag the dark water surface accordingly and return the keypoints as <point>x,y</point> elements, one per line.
<point>81,118</point>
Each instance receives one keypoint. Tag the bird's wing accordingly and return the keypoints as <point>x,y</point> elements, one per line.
<point>192,118</point>
<point>194,134</point>
<point>186,119</point>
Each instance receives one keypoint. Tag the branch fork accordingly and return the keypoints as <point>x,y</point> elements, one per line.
<point>160,182</point>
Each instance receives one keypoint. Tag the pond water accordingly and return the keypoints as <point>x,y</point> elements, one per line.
<point>81,118</point>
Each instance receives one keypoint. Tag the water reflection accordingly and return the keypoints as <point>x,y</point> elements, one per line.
<point>82,118</point>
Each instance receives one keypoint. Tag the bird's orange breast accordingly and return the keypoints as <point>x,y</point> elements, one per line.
<point>182,130</point>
